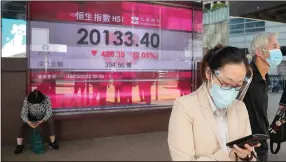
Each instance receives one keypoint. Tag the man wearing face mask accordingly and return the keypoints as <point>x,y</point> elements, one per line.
<point>266,54</point>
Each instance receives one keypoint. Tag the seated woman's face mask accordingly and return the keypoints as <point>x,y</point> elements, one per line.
<point>224,94</point>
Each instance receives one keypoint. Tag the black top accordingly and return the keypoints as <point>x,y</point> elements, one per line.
<point>283,99</point>
<point>256,101</point>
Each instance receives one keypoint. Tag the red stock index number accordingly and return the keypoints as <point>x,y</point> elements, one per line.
<point>119,38</point>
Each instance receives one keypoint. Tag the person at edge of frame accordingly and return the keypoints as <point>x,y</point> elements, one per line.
<point>36,112</point>
<point>266,54</point>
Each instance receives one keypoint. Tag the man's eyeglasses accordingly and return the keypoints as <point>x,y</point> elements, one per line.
<point>226,86</point>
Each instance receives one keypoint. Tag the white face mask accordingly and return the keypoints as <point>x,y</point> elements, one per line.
<point>222,98</point>
<point>275,58</point>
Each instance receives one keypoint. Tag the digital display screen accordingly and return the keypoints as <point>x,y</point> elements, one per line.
<point>112,55</point>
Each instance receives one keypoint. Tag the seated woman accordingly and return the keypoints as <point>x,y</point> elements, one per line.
<point>203,122</point>
<point>36,111</point>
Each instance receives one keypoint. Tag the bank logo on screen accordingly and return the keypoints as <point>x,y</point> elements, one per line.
<point>134,20</point>
<point>13,38</point>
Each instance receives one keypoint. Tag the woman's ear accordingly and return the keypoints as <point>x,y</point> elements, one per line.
<point>208,73</point>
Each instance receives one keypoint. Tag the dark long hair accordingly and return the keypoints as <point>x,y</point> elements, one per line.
<point>206,58</point>
<point>219,57</point>
<point>36,97</point>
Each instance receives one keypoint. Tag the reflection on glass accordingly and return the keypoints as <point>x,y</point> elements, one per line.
<point>126,88</point>
<point>79,85</point>
<point>117,86</point>
<point>108,89</point>
<point>146,80</point>
<point>184,82</point>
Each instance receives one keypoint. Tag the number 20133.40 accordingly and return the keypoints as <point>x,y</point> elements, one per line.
<point>119,38</point>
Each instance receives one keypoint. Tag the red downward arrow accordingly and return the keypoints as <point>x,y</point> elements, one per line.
<point>94,52</point>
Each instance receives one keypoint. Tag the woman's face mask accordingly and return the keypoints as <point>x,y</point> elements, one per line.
<point>222,94</point>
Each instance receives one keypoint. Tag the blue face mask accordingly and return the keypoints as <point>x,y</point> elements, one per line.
<point>222,98</point>
<point>275,58</point>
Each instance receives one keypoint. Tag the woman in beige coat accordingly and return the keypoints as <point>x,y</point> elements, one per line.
<point>203,122</point>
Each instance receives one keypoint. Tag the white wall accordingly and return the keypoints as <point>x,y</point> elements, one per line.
<point>243,41</point>
<point>214,34</point>
<point>280,28</point>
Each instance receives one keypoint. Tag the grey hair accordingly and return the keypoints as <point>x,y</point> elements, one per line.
<point>260,41</point>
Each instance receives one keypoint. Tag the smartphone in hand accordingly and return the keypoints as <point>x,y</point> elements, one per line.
<point>252,140</point>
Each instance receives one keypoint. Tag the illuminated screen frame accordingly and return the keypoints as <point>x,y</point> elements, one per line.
<point>133,107</point>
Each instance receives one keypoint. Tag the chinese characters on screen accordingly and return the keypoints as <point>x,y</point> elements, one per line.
<point>137,56</point>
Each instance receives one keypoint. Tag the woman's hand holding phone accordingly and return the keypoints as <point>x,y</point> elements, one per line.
<point>244,153</point>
